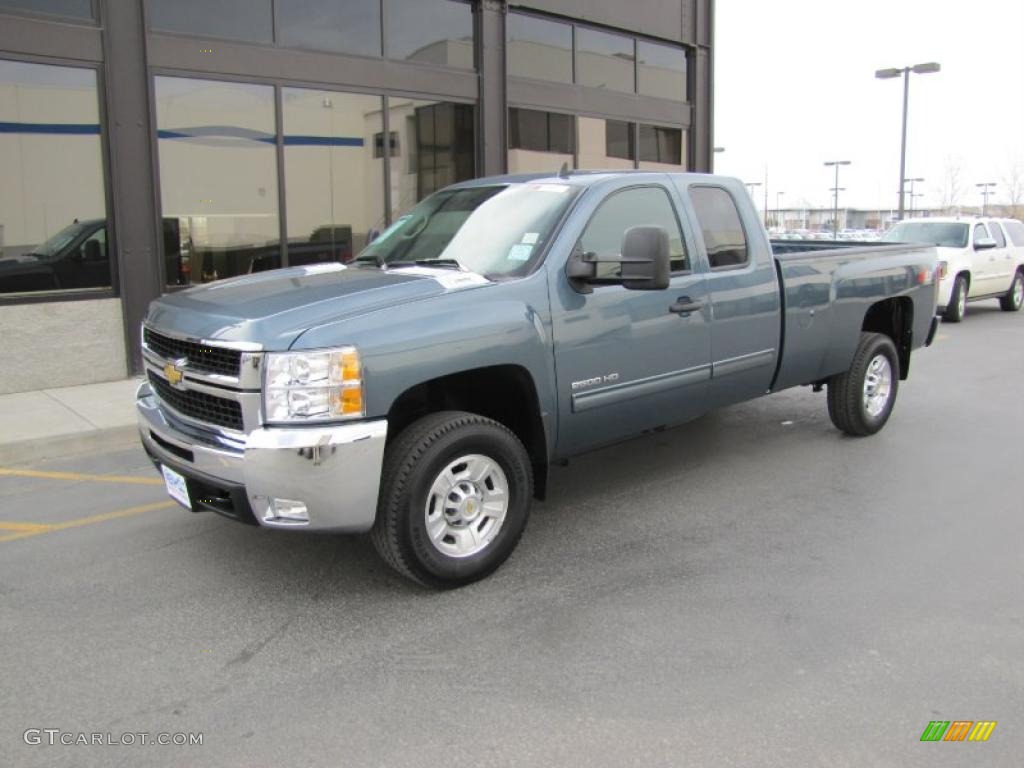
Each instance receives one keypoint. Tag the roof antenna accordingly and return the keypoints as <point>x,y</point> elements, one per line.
<point>563,172</point>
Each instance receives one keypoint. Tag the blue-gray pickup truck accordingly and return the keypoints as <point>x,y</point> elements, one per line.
<point>420,392</point>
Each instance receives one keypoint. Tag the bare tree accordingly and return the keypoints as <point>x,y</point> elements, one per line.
<point>952,183</point>
<point>1013,181</point>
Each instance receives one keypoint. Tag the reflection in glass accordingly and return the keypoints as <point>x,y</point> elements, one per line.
<point>539,142</point>
<point>430,31</point>
<point>605,143</point>
<point>435,148</point>
<point>539,48</point>
<point>661,148</point>
<point>350,26</point>
<point>80,9</point>
<point>231,19</point>
<point>334,180</point>
<point>604,60</point>
<point>218,178</point>
<point>52,206</point>
<point>661,70</point>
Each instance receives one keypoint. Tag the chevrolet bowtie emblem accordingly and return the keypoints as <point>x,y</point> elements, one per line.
<point>174,372</point>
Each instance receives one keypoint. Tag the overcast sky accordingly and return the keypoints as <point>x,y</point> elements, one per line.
<point>795,86</point>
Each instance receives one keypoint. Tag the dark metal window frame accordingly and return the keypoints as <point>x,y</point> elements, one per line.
<point>277,84</point>
<point>80,294</point>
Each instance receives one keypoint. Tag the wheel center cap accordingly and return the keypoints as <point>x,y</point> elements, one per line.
<point>470,507</point>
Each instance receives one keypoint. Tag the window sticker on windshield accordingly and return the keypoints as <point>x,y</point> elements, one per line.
<point>520,252</point>
<point>530,238</point>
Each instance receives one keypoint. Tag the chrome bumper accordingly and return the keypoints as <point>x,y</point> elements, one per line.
<point>333,470</point>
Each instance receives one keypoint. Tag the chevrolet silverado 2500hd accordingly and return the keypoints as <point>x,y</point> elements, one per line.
<point>421,391</point>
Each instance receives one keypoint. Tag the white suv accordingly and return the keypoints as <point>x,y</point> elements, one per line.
<point>978,259</point>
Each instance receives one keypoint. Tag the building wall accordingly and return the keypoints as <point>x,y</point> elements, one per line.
<point>210,154</point>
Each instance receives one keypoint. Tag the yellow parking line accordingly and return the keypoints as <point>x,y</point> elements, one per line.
<point>77,476</point>
<point>79,522</point>
<point>5,526</point>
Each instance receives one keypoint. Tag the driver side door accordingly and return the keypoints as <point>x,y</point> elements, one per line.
<point>628,360</point>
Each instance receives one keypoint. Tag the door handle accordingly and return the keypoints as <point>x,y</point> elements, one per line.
<point>685,305</point>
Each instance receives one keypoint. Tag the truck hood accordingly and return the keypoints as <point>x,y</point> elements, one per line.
<point>274,308</point>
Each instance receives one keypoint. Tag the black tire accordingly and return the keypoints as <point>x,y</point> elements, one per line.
<point>1014,297</point>
<point>846,391</point>
<point>412,463</point>
<point>957,301</point>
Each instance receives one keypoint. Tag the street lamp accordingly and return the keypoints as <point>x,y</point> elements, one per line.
<point>912,181</point>
<point>986,190</point>
<point>835,191</point>
<point>886,74</point>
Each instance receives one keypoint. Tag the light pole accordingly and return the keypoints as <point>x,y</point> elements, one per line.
<point>986,190</point>
<point>750,189</point>
<point>835,191</point>
<point>778,208</point>
<point>886,74</point>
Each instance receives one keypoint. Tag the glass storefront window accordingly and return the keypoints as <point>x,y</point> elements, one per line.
<point>661,70</point>
<point>76,9</point>
<point>251,20</point>
<point>604,60</point>
<point>435,148</point>
<point>218,179</point>
<point>661,148</point>
<point>539,48</point>
<point>430,31</point>
<point>333,178</point>
<point>351,26</point>
<point>539,142</point>
<point>606,143</point>
<point>52,201</point>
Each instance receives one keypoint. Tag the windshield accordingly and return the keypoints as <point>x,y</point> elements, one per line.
<point>58,242</point>
<point>946,235</point>
<point>496,231</point>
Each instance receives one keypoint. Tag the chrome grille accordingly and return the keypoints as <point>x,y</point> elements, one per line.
<point>203,407</point>
<point>201,357</point>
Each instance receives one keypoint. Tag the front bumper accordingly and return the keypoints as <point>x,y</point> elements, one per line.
<point>333,470</point>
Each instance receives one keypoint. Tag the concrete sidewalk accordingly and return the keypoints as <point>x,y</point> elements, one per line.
<point>57,422</point>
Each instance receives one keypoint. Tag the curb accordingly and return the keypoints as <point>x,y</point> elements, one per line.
<point>60,446</point>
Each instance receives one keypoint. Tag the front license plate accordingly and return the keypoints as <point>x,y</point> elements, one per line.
<point>177,488</point>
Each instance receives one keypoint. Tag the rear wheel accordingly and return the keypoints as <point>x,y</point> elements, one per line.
<point>861,400</point>
<point>1014,297</point>
<point>455,497</point>
<point>957,301</point>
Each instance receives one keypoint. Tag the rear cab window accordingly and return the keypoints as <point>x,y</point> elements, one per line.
<point>724,237</point>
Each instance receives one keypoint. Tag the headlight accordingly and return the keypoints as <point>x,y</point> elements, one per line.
<point>316,385</point>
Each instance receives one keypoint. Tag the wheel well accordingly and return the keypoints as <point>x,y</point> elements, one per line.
<point>965,275</point>
<point>895,318</point>
<point>505,393</point>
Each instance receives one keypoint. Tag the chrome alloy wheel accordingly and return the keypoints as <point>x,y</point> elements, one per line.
<point>466,505</point>
<point>961,301</point>
<point>877,385</point>
<point>1018,290</point>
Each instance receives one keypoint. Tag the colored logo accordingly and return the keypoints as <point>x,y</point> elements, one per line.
<point>958,730</point>
<point>175,372</point>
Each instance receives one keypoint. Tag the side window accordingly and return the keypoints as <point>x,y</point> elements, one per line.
<point>640,206</point>
<point>997,233</point>
<point>1016,232</point>
<point>719,219</point>
<point>980,231</point>
<point>99,251</point>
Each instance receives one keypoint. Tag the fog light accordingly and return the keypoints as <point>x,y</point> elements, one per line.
<point>287,511</point>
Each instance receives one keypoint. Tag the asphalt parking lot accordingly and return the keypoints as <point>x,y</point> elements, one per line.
<point>751,589</point>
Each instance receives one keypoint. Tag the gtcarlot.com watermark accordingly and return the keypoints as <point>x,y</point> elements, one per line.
<point>55,736</point>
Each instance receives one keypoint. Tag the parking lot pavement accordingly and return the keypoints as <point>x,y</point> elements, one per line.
<point>751,589</point>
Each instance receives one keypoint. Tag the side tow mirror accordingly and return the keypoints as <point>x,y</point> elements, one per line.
<point>643,263</point>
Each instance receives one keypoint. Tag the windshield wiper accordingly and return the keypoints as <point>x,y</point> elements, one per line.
<point>447,263</point>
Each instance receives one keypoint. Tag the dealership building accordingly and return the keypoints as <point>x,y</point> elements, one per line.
<point>149,145</point>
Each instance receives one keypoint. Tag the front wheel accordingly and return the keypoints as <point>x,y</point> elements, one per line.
<point>957,306</point>
<point>1014,297</point>
<point>861,400</point>
<point>455,497</point>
